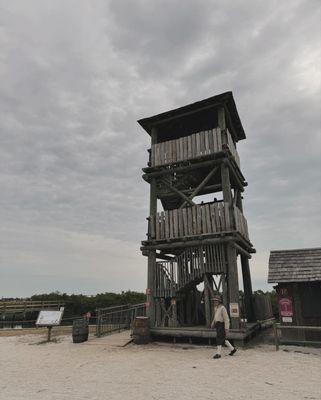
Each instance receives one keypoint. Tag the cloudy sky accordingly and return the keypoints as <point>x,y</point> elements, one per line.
<point>75,76</point>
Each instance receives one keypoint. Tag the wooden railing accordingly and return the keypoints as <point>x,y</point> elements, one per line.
<point>192,146</point>
<point>117,318</point>
<point>191,265</point>
<point>199,219</point>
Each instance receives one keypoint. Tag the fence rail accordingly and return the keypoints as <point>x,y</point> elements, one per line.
<point>117,318</point>
<point>16,306</point>
<point>193,146</point>
<point>279,327</point>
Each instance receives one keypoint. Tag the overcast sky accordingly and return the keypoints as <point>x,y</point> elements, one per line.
<point>76,75</point>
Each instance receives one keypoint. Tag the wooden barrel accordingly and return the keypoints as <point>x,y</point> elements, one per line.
<point>141,331</point>
<point>80,331</point>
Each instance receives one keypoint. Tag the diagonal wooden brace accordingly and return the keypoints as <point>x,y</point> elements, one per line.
<point>200,186</point>
<point>174,189</point>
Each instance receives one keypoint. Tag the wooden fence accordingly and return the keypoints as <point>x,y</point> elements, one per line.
<point>24,306</point>
<point>192,146</point>
<point>196,220</point>
<point>278,327</point>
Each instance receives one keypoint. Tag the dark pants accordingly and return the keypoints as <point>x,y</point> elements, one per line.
<point>220,333</point>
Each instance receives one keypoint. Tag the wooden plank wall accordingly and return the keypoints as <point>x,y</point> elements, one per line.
<point>241,223</point>
<point>192,146</point>
<point>187,147</point>
<point>189,266</point>
<point>191,221</point>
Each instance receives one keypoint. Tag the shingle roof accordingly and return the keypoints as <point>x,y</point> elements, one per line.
<point>300,265</point>
<point>225,99</point>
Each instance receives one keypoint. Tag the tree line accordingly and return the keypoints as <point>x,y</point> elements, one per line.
<point>79,304</point>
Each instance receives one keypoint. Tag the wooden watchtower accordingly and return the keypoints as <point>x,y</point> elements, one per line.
<point>193,243</point>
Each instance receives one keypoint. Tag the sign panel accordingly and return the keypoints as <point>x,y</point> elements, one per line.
<point>49,317</point>
<point>234,310</point>
<point>286,307</point>
<point>287,319</point>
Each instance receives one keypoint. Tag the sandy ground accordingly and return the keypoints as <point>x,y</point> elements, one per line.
<point>103,369</point>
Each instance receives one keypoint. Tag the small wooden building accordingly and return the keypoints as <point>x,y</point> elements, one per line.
<point>298,277</point>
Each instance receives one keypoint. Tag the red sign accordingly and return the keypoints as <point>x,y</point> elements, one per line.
<point>285,306</point>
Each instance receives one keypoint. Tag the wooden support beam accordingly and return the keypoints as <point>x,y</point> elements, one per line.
<point>226,184</point>
<point>230,124</point>
<point>151,264</point>
<point>202,164</point>
<point>201,185</point>
<point>242,251</point>
<point>192,243</point>
<point>207,301</point>
<point>239,180</point>
<point>172,188</point>
<point>247,285</point>
<point>222,124</point>
<point>208,281</point>
<point>205,190</point>
<point>164,257</point>
<point>232,282</point>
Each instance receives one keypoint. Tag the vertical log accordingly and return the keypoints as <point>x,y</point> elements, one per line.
<point>247,284</point>
<point>151,264</point>
<point>232,282</point>
<point>207,300</point>
<point>222,125</point>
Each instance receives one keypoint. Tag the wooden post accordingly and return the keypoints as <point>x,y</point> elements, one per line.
<point>49,333</point>
<point>298,310</point>
<point>226,185</point>
<point>222,124</point>
<point>150,311</point>
<point>232,283</point>
<point>276,337</point>
<point>207,300</point>
<point>247,285</point>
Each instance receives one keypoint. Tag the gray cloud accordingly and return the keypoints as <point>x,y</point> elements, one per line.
<point>75,76</point>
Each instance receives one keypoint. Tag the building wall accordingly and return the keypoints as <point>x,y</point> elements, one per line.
<point>306,304</point>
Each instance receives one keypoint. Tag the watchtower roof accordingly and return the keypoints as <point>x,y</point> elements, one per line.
<point>187,119</point>
<point>300,265</point>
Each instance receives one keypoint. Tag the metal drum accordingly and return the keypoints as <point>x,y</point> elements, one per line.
<point>80,331</point>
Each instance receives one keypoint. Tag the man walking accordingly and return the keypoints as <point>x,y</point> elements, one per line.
<point>221,323</point>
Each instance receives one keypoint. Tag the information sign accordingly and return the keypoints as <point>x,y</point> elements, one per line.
<point>234,310</point>
<point>49,317</point>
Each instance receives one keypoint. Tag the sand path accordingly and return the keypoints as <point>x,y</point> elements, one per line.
<point>101,369</point>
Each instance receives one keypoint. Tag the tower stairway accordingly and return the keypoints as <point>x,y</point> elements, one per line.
<point>188,269</point>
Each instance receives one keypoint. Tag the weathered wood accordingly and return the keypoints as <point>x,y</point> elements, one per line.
<point>175,190</point>
<point>247,285</point>
<point>201,185</point>
<point>233,286</point>
<point>207,300</point>
<point>222,124</point>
